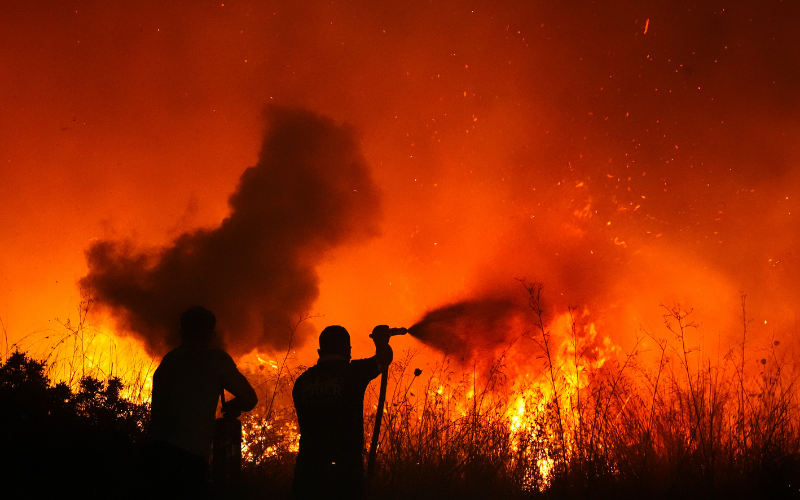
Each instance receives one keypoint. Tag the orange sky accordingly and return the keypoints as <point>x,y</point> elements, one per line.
<point>553,142</point>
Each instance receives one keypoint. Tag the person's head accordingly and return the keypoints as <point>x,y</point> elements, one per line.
<point>334,340</point>
<point>197,325</point>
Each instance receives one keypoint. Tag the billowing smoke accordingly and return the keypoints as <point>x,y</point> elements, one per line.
<point>464,328</point>
<point>310,191</point>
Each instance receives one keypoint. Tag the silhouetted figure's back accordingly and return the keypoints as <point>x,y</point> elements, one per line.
<point>186,389</point>
<point>329,399</point>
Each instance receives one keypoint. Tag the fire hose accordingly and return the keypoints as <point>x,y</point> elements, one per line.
<point>376,431</point>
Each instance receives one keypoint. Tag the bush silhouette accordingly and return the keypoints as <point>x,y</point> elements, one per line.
<point>54,441</point>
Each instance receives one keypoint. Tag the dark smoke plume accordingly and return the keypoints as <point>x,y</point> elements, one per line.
<point>463,328</point>
<point>309,192</point>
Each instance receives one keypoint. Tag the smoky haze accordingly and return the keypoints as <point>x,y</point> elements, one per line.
<point>624,153</point>
<point>310,191</point>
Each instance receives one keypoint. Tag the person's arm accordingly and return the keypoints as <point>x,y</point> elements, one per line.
<point>383,351</point>
<point>244,396</point>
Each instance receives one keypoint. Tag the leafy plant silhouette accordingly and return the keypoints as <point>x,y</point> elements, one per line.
<point>54,441</point>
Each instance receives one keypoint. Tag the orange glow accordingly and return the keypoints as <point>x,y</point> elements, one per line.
<point>513,143</point>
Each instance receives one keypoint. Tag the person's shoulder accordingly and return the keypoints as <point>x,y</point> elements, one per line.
<point>172,356</point>
<point>218,352</point>
<point>310,369</point>
<point>306,377</point>
<point>303,376</point>
<point>367,365</point>
<point>203,354</point>
<point>220,357</point>
<point>318,369</point>
<point>364,362</point>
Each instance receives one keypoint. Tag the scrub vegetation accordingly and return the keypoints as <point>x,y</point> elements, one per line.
<point>649,423</point>
<point>56,440</point>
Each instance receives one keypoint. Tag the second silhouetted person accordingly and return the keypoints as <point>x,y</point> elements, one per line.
<point>329,399</point>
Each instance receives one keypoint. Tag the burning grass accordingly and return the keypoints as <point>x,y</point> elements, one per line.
<point>661,423</point>
<point>559,412</point>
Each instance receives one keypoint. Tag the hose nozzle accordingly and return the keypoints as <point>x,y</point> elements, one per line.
<point>384,332</point>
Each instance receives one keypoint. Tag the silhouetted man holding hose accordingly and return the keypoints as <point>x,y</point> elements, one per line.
<point>329,399</point>
<point>186,388</point>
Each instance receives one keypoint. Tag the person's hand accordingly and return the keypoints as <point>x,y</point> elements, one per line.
<point>380,334</point>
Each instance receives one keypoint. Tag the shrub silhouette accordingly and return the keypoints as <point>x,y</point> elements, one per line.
<point>56,442</point>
